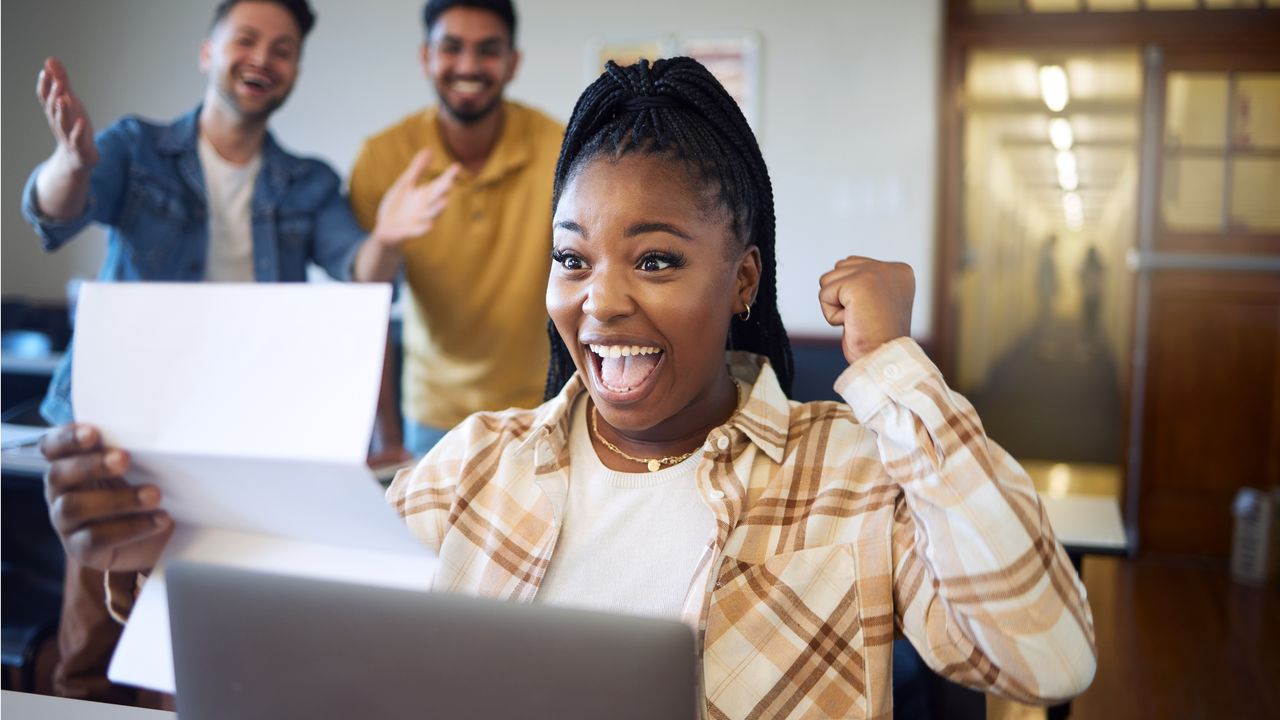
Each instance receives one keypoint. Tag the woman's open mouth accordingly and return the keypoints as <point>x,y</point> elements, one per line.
<point>623,372</point>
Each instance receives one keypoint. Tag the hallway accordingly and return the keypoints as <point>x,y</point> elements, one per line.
<point>1055,396</point>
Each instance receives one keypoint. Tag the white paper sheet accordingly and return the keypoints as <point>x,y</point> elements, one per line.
<point>251,407</point>
<point>285,371</point>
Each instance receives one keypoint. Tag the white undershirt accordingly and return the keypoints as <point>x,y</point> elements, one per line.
<point>230,190</point>
<point>629,542</point>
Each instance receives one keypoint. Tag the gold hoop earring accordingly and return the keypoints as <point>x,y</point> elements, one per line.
<point>746,314</point>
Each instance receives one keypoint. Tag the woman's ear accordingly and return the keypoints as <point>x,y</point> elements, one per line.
<point>748,281</point>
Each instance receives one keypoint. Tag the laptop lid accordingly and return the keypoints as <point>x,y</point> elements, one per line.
<point>253,645</point>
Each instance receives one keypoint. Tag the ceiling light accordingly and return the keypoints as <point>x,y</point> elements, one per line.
<point>1060,133</point>
<point>1073,210</point>
<point>1068,173</point>
<point>1053,87</point>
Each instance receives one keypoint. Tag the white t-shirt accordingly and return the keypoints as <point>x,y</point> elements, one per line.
<point>629,542</point>
<point>230,189</point>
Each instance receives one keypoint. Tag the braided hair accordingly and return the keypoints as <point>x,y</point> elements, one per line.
<point>676,108</point>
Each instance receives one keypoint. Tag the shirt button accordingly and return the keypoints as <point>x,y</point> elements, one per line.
<point>892,371</point>
<point>722,442</point>
<point>717,494</point>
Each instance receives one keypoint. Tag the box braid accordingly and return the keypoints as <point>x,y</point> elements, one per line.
<point>676,107</point>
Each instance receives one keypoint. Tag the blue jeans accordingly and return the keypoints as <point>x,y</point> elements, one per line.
<point>419,438</point>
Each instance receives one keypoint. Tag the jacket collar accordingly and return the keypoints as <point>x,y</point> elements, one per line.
<point>763,419</point>
<point>182,135</point>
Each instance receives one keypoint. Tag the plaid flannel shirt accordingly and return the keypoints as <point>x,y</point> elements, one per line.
<point>837,525</point>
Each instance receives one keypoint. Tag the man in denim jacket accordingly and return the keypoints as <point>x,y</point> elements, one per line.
<point>210,196</point>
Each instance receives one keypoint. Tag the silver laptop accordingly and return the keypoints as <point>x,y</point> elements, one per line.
<point>253,645</point>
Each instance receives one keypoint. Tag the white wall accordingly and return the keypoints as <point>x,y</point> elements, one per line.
<point>848,111</point>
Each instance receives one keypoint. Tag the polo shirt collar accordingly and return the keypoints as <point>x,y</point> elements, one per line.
<point>512,152</point>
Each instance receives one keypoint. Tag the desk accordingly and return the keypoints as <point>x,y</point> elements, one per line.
<point>25,706</point>
<point>1087,524</point>
<point>26,365</point>
<point>20,456</point>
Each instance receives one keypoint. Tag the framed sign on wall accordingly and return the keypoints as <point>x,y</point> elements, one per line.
<point>734,58</point>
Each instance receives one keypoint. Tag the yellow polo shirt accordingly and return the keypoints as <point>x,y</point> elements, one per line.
<point>475,313</point>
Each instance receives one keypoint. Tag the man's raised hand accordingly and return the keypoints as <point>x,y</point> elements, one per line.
<point>67,117</point>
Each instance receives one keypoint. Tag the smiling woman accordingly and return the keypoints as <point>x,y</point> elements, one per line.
<point>668,474</point>
<point>642,292</point>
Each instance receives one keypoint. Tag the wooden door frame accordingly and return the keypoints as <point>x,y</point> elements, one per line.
<point>1163,256</point>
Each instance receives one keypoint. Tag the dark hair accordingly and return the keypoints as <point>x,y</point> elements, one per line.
<point>433,9</point>
<point>299,9</point>
<point>677,108</point>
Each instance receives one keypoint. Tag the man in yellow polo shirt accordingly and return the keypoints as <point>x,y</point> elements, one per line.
<point>475,316</point>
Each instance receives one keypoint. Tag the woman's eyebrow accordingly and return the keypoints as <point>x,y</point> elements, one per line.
<point>571,226</point>
<point>657,227</point>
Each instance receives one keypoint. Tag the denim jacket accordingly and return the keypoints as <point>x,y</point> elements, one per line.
<point>148,189</point>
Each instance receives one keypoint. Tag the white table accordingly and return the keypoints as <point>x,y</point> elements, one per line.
<point>1087,524</point>
<point>26,706</point>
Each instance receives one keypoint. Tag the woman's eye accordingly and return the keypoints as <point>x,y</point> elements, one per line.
<point>654,262</point>
<point>568,261</point>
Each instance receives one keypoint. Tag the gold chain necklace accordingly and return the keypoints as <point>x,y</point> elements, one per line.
<point>654,464</point>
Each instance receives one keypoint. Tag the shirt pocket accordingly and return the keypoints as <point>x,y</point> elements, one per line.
<point>785,637</point>
<point>157,222</point>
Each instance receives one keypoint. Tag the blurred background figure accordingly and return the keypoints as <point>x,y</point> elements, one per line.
<point>1047,282</point>
<point>1091,276</point>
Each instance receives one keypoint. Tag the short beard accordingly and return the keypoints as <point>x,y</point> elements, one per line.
<point>469,117</point>
<point>228,96</point>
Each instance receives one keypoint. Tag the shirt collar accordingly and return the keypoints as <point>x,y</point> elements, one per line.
<point>763,418</point>
<point>182,135</point>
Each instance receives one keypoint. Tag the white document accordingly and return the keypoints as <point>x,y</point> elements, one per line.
<point>251,407</point>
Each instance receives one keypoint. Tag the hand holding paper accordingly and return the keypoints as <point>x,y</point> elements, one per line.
<point>104,522</point>
<point>250,408</point>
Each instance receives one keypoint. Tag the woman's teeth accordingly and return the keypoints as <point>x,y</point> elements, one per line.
<point>613,351</point>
